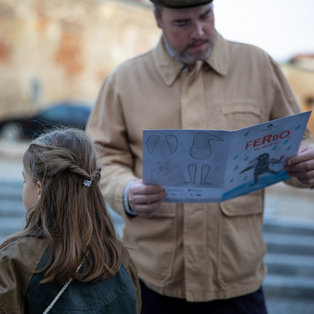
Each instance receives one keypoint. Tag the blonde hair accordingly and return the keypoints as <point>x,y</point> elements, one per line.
<point>72,216</point>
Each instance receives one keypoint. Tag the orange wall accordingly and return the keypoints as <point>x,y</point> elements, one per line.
<point>302,83</point>
<point>52,50</point>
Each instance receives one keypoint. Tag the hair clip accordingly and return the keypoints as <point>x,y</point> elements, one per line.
<point>87,183</point>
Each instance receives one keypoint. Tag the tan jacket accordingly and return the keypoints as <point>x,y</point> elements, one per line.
<point>195,251</point>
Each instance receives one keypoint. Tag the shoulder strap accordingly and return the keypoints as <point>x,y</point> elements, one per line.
<point>59,294</point>
<point>50,306</point>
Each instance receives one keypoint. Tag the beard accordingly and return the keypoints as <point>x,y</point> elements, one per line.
<point>187,58</point>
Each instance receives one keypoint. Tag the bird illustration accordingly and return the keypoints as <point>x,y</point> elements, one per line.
<point>261,165</point>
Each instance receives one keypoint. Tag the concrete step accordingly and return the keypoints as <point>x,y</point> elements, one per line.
<point>8,193</point>
<point>11,189</point>
<point>12,218</point>
<point>289,244</point>
<point>290,265</point>
<point>288,286</point>
<point>12,208</point>
<point>9,226</point>
<point>281,305</point>
<point>288,226</point>
<point>8,223</point>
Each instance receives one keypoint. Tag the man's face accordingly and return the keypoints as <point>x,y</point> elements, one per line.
<point>189,32</point>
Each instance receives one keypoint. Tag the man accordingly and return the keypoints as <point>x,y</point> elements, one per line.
<point>191,258</point>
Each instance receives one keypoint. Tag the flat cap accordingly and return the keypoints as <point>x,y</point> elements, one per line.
<point>177,4</point>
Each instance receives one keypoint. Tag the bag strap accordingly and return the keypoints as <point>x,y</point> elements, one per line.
<point>57,297</point>
<point>59,294</point>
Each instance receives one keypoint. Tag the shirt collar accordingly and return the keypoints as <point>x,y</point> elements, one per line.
<point>169,68</point>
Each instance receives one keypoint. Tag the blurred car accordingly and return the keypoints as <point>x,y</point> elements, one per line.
<point>67,114</point>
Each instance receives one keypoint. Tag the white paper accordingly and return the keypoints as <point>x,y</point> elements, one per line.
<point>217,165</point>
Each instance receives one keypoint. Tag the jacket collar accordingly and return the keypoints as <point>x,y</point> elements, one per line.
<point>169,68</point>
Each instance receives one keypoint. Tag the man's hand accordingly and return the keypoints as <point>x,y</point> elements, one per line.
<point>144,199</point>
<point>301,165</point>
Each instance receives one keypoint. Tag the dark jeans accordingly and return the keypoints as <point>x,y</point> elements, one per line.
<point>155,303</point>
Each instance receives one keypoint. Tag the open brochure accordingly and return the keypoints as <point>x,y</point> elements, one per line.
<point>217,165</point>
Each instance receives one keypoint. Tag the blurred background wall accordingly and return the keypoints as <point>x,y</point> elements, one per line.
<point>300,74</point>
<point>54,50</point>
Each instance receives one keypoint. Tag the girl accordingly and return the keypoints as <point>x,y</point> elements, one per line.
<point>68,258</point>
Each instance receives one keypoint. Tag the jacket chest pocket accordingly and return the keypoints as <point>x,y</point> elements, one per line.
<point>242,246</point>
<point>239,114</point>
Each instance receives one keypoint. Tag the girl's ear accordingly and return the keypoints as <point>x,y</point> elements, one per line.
<point>39,189</point>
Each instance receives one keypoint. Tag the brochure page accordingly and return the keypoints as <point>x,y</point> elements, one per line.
<point>217,165</point>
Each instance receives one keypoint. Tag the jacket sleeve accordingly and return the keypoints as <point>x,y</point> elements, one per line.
<point>18,261</point>
<point>13,282</point>
<point>106,127</point>
<point>11,298</point>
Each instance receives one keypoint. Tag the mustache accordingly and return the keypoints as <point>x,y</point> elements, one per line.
<point>198,42</point>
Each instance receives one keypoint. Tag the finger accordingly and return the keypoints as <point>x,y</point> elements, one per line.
<point>302,166</point>
<point>304,154</point>
<point>143,199</point>
<point>147,210</point>
<point>308,175</point>
<point>143,189</point>
<point>147,199</point>
<point>148,190</point>
<point>309,183</point>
